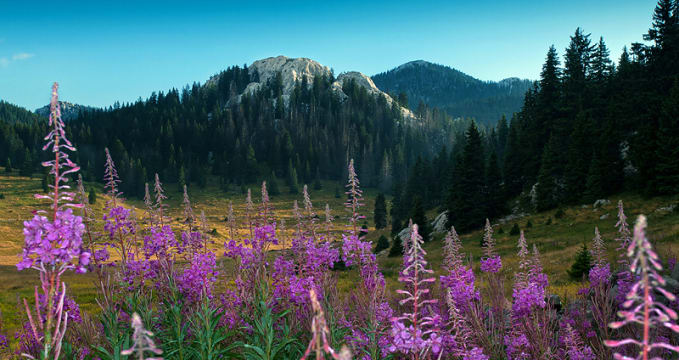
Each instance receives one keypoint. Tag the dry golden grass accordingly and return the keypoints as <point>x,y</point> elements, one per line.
<point>557,242</point>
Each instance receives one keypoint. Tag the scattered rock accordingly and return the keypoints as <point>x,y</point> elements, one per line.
<point>604,216</point>
<point>601,203</point>
<point>439,223</point>
<point>669,208</point>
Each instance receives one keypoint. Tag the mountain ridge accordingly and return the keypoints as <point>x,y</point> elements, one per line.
<point>457,93</point>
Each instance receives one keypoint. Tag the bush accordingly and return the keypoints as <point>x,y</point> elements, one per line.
<point>549,221</point>
<point>582,264</point>
<point>92,197</point>
<point>559,214</point>
<point>515,230</point>
<point>382,243</point>
<point>500,230</point>
<point>529,224</point>
<point>396,247</point>
<point>2,196</point>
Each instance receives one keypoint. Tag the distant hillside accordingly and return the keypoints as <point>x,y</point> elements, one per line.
<point>459,94</point>
<point>69,111</point>
<point>11,114</point>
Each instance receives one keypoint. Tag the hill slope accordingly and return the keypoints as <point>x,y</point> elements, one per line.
<point>459,94</point>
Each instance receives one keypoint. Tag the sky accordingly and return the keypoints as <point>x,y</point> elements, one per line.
<point>106,51</point>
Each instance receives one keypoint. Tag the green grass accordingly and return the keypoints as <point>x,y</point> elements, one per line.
<point>557,242</point>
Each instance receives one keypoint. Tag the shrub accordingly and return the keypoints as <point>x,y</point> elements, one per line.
<point>514,230</point>
<point>382,243</point>
<point>529,224</point>
<point>549,221</point>
<point>559,214</point>
<point>583,262</point>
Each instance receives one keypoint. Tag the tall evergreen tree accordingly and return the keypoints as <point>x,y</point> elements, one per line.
<point>466,199</point>
<point>547,187</point>
<point>494,188</point>
<point>666,180</point>
<point>380,214</point>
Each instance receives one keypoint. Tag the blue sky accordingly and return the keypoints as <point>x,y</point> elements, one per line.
<point>103,51</point>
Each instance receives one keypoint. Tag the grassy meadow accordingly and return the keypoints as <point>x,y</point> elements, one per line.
<point>558,240</point>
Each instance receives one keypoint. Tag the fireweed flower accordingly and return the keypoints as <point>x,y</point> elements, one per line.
<point>574,347</point>
<point>160,197</point>
<point>196,281</point>
<point>491,263</point>
<point>415,338</point>
<point>189,218</point>
<point>142,341</point>
<point>112,180</point>
<point>598,248</point>
<point>642,305</point>
<point>53,246</point>
<point>320,333</point>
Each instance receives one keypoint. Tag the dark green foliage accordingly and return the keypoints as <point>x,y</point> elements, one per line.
<point>382,244</point>
<point>495,194</point>
<point>582,265</point>
<point>500,230</point>
<point>515,230</point>
<point>380,214</point>
<point>452,91</point>
<point>27,167</point>
<point>529,224</point>
<point>272,186</point>
<point>466,197</point>
<point>92,196</point>
<point>181,179</point>
<point>8,166</point>
<point>2,196</point>
<point>595,181</point>
<point>420,218</point>
<point>549,221</point>
<point>292,179</point>
<point>337,192</point>
<point>396,247</point>
<point>667,149</point>
<point>209,335</point>
<point>547,188</point>
<point>270,337</point>
<point>559,214</point>
<point>317,181</point>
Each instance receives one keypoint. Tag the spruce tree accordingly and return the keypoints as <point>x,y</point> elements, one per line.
<point>594,184</point>
<point>495,197</point>
<point>512,161</point>
<point>419,217</point>
<point>582,264</point>
<point>547,187</point>
<point>380,214</point>
<point>396,247</point>
<point>666,180</point>
<point>272,185</point>
<point>382,244</point>
<point>92,196</point>
<point>466,199</point>
<point>8,166</point>
<point>27,167</point>
<point>317,181</point>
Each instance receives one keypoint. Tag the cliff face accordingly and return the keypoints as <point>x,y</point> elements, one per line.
<point>294,70</point>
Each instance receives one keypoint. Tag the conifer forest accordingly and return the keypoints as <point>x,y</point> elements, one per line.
<point>281,211</point>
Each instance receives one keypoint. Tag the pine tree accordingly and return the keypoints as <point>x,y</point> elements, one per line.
<point>27,167</point>
<point>512,162</point>
<point>666,179</point>
<point>380,215</point>
<point>466,205</point>
<point>594,184</point>
<point>382,244</point>
<point>92,196</point>
<point>495,197</point>
<point>547,187</point>
<point>419,217</point>
<point>292,182</point>
<point>396,247</point>
<point>582,264</point>
<point>181,178</point>
<point>601,62</point>
<point>8,166</point>
<point>273,188</point>
<point>317,181</point>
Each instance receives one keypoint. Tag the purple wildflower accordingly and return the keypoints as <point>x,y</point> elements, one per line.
<point>641,306</point>
<point>141,341</point>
